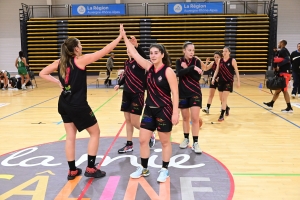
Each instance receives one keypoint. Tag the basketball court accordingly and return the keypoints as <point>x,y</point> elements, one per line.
<point>253,154</point>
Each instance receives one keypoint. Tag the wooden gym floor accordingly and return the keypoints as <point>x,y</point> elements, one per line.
<point>259,147</point>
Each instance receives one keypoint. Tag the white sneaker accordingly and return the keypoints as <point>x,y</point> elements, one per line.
<point>24,87</point>
<point>163,175</point>
<point>196,148</point>
<point>184,144</point>
<point>140,171</point>
<point>294,96</point>
<point>206,110</point>
<point>298,95</point>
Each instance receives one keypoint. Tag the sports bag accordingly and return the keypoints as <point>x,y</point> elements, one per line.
<point>276,83</point>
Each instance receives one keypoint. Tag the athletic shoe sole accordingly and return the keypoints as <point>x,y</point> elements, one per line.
<point>163,180</point>
<point>129,150</point>
<point>144,175</point>
<point>285,111</point>
<point>196,152</point>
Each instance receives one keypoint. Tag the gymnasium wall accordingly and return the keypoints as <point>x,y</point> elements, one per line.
<point>288,22</point>
<point>10,27</point>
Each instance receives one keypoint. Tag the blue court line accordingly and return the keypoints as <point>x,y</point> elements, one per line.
<point>27,108</point>
<point>268,110</point>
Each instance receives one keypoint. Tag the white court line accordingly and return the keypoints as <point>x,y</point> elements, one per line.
<point>3,104</point>
<point>296,105</point>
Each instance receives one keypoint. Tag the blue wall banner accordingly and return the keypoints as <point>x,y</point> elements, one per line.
<point>98,9</point>
<point>195,8</point>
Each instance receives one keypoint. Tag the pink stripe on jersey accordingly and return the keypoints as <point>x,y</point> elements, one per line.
<point>161,93</point>
<point>134,77</point>
<point>167,116</point>
<point>189,87</point>
<point>227,73</point>
<point>129,86</point>
<point>135,84</point>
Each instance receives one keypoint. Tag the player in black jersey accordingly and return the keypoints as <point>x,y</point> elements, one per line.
<point>225,72</point>
<point>134,80</point>
<point>188,69</point>
<point>160,112</point>
<point>212,87</point>
<point>72,105</point>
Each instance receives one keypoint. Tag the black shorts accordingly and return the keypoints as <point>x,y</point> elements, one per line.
<point>190,102</point>
<point>213,86</point>
<point>159,119</point>
<point>132,102</point>
<point>82,115</point>
<point>225,86</point>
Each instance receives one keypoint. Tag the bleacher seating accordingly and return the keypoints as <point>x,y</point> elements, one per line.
<point>247,35</point>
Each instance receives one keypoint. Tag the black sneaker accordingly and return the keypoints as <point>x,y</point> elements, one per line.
<point>73,174</point>
<point>125,149</point>
<point>268,105</point>
<point>221,118</point>
<point>94,172</point>
<point>227,111</point>
<point>287,110</point>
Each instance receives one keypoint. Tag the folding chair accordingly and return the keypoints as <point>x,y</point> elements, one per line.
<point>102,76</point>
<point>114,76</point>
<point>269,74</point>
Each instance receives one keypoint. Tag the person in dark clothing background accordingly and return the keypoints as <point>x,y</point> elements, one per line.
<point>295,60</point>
<point>109,67</point>
<point>283,68</point>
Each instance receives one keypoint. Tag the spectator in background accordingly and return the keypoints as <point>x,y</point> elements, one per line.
<point>295,60</point>
<point>109,67</point>
<point>283,69</point>
<point>5,76</point>
<point>21,65</point>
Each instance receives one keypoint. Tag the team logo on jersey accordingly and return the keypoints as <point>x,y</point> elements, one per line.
<point>133,66</point>
<point>159,78</point>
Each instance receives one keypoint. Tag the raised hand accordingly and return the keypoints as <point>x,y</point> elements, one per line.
<point>133,41</point>
<point>122,31</point>
<point>207,60</point>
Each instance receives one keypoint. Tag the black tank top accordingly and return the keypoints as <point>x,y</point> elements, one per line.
<point>226,70</point>
<point>135,77</point>
<point>189,83</point>
<point>75,86</point>
<point>158,89</point>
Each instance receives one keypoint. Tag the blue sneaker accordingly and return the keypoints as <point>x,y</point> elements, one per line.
<point>140,171</point>
<point>163,175</point>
